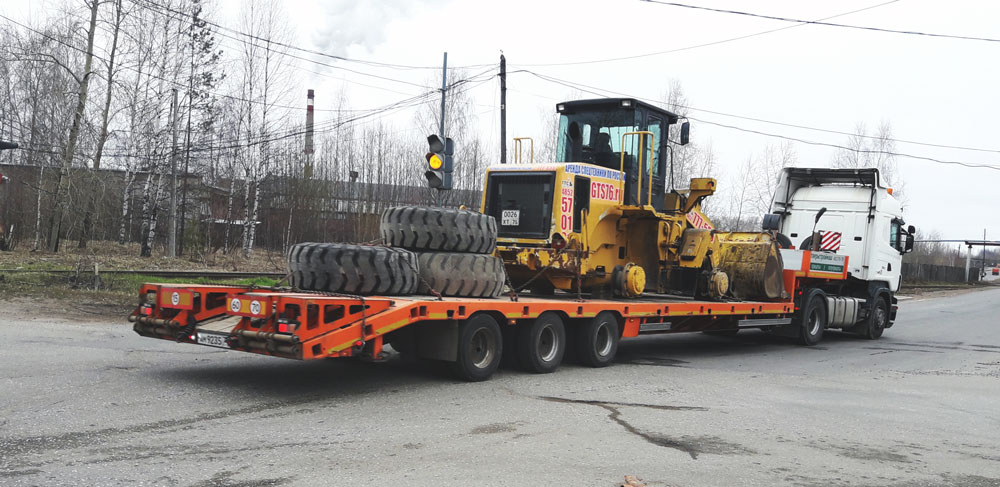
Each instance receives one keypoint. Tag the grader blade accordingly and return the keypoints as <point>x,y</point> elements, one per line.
<point>753,264</point>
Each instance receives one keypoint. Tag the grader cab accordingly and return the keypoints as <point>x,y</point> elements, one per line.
<point>604,218</point>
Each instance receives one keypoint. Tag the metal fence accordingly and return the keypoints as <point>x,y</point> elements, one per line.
<point>936,273</point>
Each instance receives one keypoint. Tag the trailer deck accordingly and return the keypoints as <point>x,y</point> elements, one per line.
<point>310,325</point>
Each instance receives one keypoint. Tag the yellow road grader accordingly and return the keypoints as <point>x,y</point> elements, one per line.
<point>604,219</point>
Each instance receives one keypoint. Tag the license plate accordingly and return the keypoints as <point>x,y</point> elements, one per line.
<point>212,340</point>
<point>510,218</point>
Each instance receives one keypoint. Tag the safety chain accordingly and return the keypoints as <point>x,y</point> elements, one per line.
<point>539,274</point>
<point>417,273</point>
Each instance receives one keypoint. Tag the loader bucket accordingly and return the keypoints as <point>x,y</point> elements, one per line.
<point>753,264</point>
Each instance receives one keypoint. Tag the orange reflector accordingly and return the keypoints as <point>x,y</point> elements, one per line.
<point>889,190</point>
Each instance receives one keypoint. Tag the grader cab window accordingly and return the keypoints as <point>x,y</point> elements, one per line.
<point>595,137</point>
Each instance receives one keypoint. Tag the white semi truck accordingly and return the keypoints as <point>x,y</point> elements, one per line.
<point>846,217</point>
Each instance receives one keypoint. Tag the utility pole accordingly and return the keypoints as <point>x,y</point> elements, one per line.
<point>444,94</point>
<point>503,110</point>
<point>172,237</point>
<point>444,90</point>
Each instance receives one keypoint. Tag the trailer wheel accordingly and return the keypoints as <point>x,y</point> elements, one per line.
<point>354,269</point>
<point>480,346</point>
<point>439,229</point>
<point>541,343</point>
<point>597,340</point>
<point>813,321</point>
<point>466,275</point>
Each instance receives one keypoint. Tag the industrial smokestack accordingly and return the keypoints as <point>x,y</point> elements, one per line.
<point>309,134</point>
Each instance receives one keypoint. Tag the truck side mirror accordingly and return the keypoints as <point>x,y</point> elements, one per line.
<point>911,229</point>
<point>771,221</point>
<point>909,243</point>
<point>685,133</point>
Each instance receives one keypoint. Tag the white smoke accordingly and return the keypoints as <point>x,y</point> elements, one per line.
<point>350,23</point>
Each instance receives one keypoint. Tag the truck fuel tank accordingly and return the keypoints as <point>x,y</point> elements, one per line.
<point>842,311</point>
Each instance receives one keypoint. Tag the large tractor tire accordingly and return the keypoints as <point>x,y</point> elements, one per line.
<point>465,275</point>
<point>439,229</point>
<point>352,269</point>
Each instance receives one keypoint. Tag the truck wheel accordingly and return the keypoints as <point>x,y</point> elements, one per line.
<point>439,229</point>
<point>877,320</point>
<point>813,321</point>
<point>480,346</point>
<point>541,343</point>
<point>352,269</point>
<point>597,340</point>
<point>783,241</point>
<point>466,275</point>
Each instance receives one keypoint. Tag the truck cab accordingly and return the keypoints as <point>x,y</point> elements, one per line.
<point>862,220</point>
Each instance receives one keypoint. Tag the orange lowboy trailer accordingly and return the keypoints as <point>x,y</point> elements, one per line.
<point>307,325</point>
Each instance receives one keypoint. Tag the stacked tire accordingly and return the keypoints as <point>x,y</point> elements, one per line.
<point>453,249</point>
<point>352,269</point>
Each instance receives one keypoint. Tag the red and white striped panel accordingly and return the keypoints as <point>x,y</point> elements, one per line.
<point>830,241</point>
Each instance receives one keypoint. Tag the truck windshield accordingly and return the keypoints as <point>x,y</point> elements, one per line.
<point>596,137</point>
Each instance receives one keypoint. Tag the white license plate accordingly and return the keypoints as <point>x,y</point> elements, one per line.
<point>510,218</point>
<point>212,340</point>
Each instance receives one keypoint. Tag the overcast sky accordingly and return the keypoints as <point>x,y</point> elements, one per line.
<point>932,90</point>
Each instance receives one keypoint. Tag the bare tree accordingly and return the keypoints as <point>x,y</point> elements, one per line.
<point>102,137</point>
<point>873,150</point>
<point>691,160</point>
<point>62,191</point>
<point>264,81</point>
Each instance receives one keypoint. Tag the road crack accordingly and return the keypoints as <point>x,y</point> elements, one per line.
<point>693,446</point>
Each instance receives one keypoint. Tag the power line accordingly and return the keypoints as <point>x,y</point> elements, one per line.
<point>862,151</point>
<point>295,132</point>
<point>706,44</point>
<point>838,132</point>
<point>820,22</point>
<point>297,48</point>
<point>241,43</point>
<point>589,89</point>
<point>166,11</point>
<point>158,77</point>
<point>754,119</point>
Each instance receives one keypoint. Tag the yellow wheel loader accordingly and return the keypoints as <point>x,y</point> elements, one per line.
<point>602,218</point>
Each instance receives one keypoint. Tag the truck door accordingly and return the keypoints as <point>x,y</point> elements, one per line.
<point>657,165</point>
<point>889,259</point>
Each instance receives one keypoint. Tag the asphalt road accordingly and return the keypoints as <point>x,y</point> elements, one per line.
<point>94,404</point>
